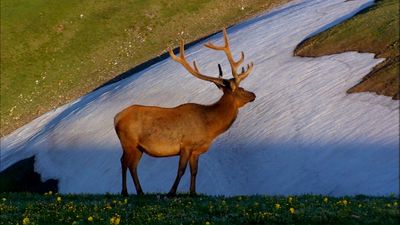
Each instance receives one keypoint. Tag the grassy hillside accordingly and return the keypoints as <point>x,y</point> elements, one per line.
<point>374,30</point>
<point>208,210</point>
<point>55,51</point>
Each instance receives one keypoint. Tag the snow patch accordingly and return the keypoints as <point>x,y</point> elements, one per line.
<point>303,134</point>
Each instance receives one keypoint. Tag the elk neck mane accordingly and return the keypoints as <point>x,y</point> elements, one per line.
<point>222,113</point>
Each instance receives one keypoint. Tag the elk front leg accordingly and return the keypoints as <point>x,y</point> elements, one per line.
<point>183,160</point>
<point>193,161</point>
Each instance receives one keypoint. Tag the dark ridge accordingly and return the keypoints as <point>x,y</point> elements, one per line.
<point>151,62</point>
<point>21,177</point>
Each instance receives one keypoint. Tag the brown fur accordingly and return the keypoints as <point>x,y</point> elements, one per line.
<point>187,130</point>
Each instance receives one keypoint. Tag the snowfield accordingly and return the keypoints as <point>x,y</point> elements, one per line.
<point>303,133</point>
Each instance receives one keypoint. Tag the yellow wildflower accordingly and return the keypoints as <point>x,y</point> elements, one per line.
<point>4,199</point>
<point>290,199</point>
<point>292,210</point>
<point>59,199</point>
<point>343,202</point>
<point>50,192</point>
<point>208,223</point>
<point>25,221</point>
<point>277,206</point>
<point>126,201</point>
<point>115,219</point>
<point>90,219</point>
<point>326,200</point>
<point>389,205</point>
<point>395,203</point>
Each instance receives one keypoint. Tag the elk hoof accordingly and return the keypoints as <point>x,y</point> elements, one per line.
<point>124,193</point>
<point>171,194</point>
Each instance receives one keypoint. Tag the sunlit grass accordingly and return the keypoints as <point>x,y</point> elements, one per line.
<point>158,209</point>
<point>375,30</point>
<point>55,51</point>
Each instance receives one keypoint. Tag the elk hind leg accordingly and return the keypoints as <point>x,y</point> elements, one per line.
<point>130,159</point>
<point>137,155</point>
<point>124,167</point>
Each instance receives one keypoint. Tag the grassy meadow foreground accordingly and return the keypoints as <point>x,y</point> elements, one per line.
<point>156,209</point>
<point>53,52</point>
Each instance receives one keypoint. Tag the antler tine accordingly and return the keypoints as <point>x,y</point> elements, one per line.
<point>240,61</point>
<point>212,46</point>
<point>182,49</point>
<point>195,67</point>
<point>226,48</point>
<point>245,73</point>
<point>194,71</point>
<point>219,48</point>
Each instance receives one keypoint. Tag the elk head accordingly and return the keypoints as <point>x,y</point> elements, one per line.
<point>228,86</point>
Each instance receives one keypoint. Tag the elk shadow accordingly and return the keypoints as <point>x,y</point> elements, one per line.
<point>21,177</point>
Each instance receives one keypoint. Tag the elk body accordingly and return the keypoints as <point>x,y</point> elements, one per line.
<point>187,130</point>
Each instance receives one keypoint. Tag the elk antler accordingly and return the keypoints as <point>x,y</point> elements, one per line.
<point>234,64</point>
<point>195,71</point>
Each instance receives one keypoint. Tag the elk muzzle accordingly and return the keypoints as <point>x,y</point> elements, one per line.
<point>253,97</point>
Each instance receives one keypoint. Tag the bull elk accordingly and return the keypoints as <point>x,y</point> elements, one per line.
<point>187,130</point>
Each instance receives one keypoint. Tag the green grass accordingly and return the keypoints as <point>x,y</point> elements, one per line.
<point>374,30</point>
<point>157,209</point>
<point>55,51</point>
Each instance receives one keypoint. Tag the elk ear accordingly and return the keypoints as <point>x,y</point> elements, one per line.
<point>221,74</point>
